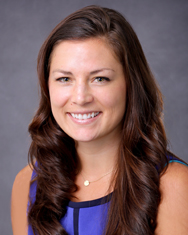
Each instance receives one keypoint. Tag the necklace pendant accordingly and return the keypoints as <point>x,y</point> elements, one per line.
<point>86,183</point>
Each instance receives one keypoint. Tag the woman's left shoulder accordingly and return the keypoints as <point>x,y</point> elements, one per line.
<point>175,178</point>
<point>173,209</point>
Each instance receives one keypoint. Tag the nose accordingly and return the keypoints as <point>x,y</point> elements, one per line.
<point>81,94</point>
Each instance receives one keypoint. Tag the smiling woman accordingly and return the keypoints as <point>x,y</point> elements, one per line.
<point>90,103</point>
<point>99,156</point>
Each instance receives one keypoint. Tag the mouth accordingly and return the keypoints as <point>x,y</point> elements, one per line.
<point>84,116</point>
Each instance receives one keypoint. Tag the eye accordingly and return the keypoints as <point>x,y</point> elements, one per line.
<point>102,79</point>
<point>63,79</point>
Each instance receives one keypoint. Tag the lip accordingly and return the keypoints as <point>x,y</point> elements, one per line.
<point>84,112</point>
<point>84,121</point>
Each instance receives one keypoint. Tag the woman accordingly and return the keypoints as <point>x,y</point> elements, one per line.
<point>99,150</point>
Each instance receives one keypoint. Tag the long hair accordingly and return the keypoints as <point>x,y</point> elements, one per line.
<point>143,147</point>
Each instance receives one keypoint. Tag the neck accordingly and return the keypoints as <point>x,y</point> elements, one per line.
<point>98,157</point>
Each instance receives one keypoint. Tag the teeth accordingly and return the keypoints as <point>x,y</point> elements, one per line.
<point>84,116</point>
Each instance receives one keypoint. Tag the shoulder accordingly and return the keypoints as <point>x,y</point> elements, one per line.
<point>19,201</point>
<point>173,209</point>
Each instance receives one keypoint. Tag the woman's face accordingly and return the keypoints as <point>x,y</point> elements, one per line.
<point>87,89</point>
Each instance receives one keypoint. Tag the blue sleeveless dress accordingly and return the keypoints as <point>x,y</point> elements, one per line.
<point>84,218</point>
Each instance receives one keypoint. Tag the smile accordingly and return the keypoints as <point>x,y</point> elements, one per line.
<point>84,116</point>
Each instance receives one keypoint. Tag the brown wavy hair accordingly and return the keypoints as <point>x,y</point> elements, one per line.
<point>143,148</point>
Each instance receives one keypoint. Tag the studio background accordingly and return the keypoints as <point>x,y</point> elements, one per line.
<point>162,28</point>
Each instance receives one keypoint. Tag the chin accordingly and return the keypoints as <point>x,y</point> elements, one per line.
<point>82,137</point>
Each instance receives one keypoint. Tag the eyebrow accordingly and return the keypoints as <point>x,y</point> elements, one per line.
<point>92,72</point>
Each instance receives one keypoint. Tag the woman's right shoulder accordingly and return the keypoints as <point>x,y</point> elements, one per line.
<point>19,201</point>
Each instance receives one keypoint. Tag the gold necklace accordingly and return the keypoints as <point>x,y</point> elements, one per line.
<point>87,182</point>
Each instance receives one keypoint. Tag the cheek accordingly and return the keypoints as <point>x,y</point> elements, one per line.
<point>115,99</point>
<point>58,98</point>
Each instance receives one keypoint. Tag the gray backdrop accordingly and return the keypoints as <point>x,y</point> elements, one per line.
<point>162,29</point>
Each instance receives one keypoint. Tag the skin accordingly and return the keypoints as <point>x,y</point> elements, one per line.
<point>86,77</point>
<point>76,85</point>
<point>20,193</point>
<point>173,210</point>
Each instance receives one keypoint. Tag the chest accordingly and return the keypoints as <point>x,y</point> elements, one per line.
<point>85,218</point>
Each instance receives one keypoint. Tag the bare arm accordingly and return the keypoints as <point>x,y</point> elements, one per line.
<point>173,210</point>
<point>20,193</point>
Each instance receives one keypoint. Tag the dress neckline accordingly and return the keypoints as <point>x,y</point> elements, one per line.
<point>91,203</point>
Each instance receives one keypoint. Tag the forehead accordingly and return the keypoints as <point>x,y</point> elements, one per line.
<point>79,52</point>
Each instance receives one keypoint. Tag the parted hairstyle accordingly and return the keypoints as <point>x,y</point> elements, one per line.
<point>143,148</point>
